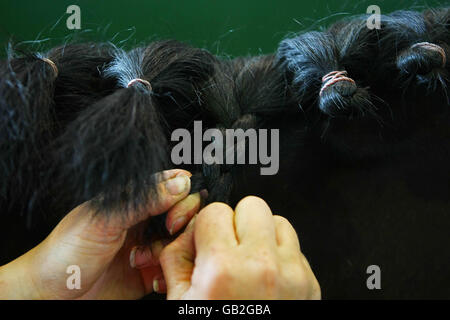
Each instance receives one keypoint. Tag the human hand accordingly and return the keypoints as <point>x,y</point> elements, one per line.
<point>100,245</point>
<point>243,254</point>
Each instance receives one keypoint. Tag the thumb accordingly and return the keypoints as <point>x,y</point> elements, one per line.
<point>173,187</point>
<point>177,263</point>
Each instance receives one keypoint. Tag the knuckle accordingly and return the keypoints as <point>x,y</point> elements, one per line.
<point>286,225</point>
<point>281,220</point>
<point>251,199</point>
<point>215,208</point>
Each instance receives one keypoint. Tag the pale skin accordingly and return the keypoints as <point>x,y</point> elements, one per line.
<point>223,254</point>
<point>246,253</point>
<point>101,246</point>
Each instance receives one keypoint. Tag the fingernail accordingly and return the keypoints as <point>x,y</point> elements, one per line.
<point>132,257</point>
<point>159,284</point>
<point>184,173</point>
<point>167,174</point>
<point>141,257</point>
<point>177,224</point>
<point>178,185</point>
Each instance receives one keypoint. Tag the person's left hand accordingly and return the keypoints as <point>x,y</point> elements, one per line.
<point>104,249</point>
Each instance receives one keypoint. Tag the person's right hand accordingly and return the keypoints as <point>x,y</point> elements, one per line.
<point>243,254</point>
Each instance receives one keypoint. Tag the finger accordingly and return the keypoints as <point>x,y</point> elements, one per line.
<point>289,245</point>
<point>177,262</point>
<point>315,286</point>
<point>157,248</point>
<point>214,228</point>
<point>143,257</point>
<point>169,174</point>
<point>159,284</point>
<point>148,274</point>
<point>285,233</point>
<point>182,212</point>
<point>254,222</point>
<point>175,186</point>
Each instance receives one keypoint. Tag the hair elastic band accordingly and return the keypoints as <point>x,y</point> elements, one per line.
<point>433,47</point>
<point>52,64</point>
<point>144,82</point>
<point>334,77</point>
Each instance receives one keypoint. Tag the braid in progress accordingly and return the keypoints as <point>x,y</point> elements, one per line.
<point>39,93</point>
<point>418,59</point>
<point>244,94</point>
<point>100,117</point>
<point>366,86</point>
<point>114,148</point>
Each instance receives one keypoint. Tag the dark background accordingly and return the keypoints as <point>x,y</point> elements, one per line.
<point>226,27</point>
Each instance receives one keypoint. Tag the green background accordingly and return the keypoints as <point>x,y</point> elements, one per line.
<point>226,27</point>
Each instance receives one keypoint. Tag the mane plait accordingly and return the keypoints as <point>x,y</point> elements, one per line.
<point>114,148</point>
